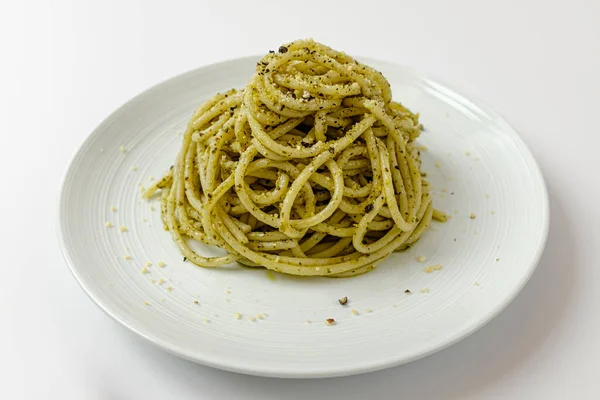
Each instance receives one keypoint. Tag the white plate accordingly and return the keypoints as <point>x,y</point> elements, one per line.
<point>484,169</point>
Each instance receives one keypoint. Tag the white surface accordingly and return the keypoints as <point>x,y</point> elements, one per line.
<point>484,170</point>
<point>67,66</point>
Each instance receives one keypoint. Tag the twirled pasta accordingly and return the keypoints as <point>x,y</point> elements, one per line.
<point>309,170</point>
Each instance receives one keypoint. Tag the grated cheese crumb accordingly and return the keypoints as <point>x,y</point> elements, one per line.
<point>355,312</point>
<point>152,208</point>
<point>259,316</point>
<point>428,270</point>
<point>472,216</point>
<point>134,168</point>
<point>228,291</point>
<point>206,320</point>
<point>438,165</point>
<point>161,281</point>
<point>169,288</point>
<point>425,290</point>
<point>148,264</point>
<point>252,319</point>
<point>108,225</point>
<point>146,303</point>
<point>160,264</point>
<point>467,153</point>
<point>369,310</point>
<point>421,259</point>
<point>127,257</point>
<point>144,270</point>
<point>308,321</point>
<point>237,316</point>
<point>122,149</point>
<point>123,228</point>
<point>151,178</point>
<point>437,267</point>
<point>330,321</point>
<point>113,208</point>
<point>476,283</point>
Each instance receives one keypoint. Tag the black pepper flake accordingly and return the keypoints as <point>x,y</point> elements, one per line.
<point>407,291</point>
<point>454,240</point>
<point>344,300</point>
<point>451,193</point>
<point>171,167</point>
<point>184,259</point>
<point>368,208</point>
<point>331,150</point>
<point>283,49</point>
<point>397,167</point>
<point>304,144</point>
<point>271,52</point>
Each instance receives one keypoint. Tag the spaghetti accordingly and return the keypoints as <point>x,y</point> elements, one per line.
<point>309,170</point>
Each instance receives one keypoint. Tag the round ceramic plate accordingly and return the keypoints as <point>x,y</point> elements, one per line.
<point>481,173</point>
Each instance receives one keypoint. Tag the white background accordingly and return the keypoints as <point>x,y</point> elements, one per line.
<point>64,66</point>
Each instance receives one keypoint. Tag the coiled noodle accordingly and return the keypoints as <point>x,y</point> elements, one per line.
<point>311,169</point>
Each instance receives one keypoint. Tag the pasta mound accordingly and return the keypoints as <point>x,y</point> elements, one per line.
<point>311,169</point>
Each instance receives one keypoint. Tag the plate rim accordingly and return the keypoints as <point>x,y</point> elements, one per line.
<point>320,372</point>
